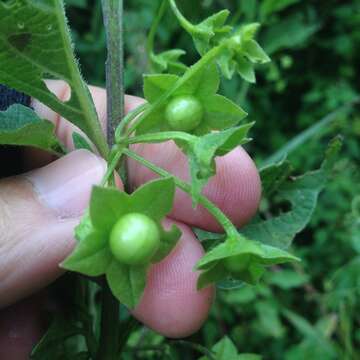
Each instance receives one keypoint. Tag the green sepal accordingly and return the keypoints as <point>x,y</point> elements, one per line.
<point>155,85</point>
<point>254,52</point>
<point>242,53</point>
<point>154,199</point>
<point>168,61</point>
<point>20,125</point>
<point>245,69</point>
<point>107,205</point>
<point>91,256</point>
<point>255,254</point>
<point>211,31</point>
<point>127,283</point>
<point>221,113</point>
<point>169,240</point>
<point>202,152</point>
<point>80,142</point>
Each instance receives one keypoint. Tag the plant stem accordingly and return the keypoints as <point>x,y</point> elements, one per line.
<point>223,220</point>
<point>112,167</point>
<point>113,21</point>
<point>127,120</point>
<point>186,24</point>
<point>151,37</point>
<point>110,329</point>
<point>113,12</point>
<point>210,56</point>
<point>160,137</point>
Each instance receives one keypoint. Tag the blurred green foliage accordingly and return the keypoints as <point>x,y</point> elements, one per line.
<point>303,311</point>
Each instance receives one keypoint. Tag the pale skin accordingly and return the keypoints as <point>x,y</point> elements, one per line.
<point>36,230</point>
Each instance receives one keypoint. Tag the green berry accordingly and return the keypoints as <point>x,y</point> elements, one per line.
<point>237,264</point>
<point>184,113</point>
<point>134,239</point>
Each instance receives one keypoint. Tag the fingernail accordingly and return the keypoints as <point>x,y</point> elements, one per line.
<point>65,185</point>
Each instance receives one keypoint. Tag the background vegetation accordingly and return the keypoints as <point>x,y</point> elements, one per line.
<point>306,311</point>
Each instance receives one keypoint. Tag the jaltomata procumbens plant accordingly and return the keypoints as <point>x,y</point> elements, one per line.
<point>121,234</point>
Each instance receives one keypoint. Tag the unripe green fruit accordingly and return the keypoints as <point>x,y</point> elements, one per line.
<point>134,239</point>
<point>236,264</point>
<point>184,113</point>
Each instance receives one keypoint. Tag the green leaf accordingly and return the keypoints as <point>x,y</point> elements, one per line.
<point>154,199</point>
<point>91,256</point>
<point>226,350</point>
<point>291,32</point>
<point>51,344</point>
<point>20,125</point>
<point>302,193</point>
<point>80,142</point>
<point>127,283</point>
<point>269,7</point>
<point>269,318</point>
<point>273,176</point>
<point>287,279</point>
<point>107,205</point>
<point>31,51</point>
<point>252,253</point>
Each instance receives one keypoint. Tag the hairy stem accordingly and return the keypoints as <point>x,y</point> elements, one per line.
<point>223,220</point>
<point>113,11</point>
<point>113,21</point>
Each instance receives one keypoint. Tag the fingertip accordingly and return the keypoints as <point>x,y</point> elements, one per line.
<point>171,304</point>
<point>235,189</point>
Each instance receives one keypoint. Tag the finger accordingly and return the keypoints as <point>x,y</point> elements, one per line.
<point>235,189</point>
<point>38,213</point>
<point>21,327</point>
<point>171,304</point>
<point>64,129</point>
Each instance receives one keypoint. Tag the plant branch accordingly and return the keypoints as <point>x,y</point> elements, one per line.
<point>113,12</point>
<point>223,220</point>
<point>127,120</point>
<point>186,24</point>
<point>154,26</point>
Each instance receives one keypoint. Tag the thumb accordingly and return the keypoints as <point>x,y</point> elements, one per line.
<point>38,213</point>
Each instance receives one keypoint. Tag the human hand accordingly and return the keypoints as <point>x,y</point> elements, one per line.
<point>38,212</point>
